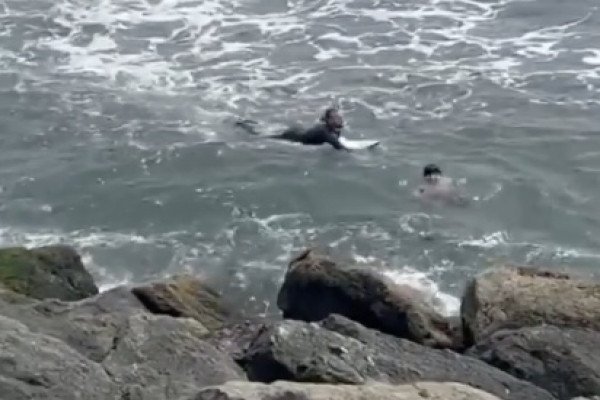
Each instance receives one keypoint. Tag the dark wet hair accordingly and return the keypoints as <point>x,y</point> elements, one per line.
<point>328,113</point>
<point>431,169</point>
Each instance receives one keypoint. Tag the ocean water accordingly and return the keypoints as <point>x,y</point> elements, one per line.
<point>117,136</point>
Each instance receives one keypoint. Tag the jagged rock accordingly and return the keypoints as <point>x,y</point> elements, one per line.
<point>184,296</point>
<point>316,287</point>
<point>89,326</point>
<point>40,367</point>
<point>150,357</point>
<point>161,357</point>
<point>235,337</point>
<point>46,272</point>
<point>565,362</point>
<point>513,298</point>
<point>373,391</point>
<point>338,350</point>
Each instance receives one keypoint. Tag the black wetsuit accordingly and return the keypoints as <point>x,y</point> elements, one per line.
<point>316,135</point>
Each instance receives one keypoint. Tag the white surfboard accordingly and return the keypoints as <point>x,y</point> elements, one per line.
<point>358,144</point>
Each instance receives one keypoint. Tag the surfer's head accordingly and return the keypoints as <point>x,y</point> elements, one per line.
<point>333,120</point>
<point>431,173</point>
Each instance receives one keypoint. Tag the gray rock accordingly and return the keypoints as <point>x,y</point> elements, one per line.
<point>373,391</point>
<point>46,272</point>
<point>235,337</point>
<point>517,297</point>
<point>161,357</point>
<point>146,356</point>
<point>315,287</point>
<point>36,366</point>
<point>90,326</point>
<point>565,362</point>
<point>338,350</point>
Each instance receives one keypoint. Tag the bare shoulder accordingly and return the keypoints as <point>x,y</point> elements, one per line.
<point>444,191</point>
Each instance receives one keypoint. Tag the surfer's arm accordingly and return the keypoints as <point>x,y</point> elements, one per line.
<point>335,142</point>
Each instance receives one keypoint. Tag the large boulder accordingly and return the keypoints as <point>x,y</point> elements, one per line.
<point>184,296</point>
<point>374,391</point>
<point>316,287</point>
<point>517,297</point>
<point>161,357</point>
<point>90,326</point>
<point>565,362</point>
<point>338,350</point>
<point>46,272</point>
<point>149,357</point>
<point>36,366</point>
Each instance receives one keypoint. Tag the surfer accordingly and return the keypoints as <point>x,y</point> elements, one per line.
<point>439,187</point>
<point>328,130</point>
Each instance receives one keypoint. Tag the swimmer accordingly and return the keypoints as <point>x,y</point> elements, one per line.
<point>438,187</point>
<point>328,131</point>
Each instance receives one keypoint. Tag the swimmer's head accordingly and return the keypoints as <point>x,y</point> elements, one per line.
<point>333,120</point>
<point>431,173</point>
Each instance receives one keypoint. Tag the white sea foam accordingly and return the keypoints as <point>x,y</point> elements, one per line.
<point>106,279</point>
<point>125,47</point>
<point>445,303</point>
<point>594,58</point>
<point>487,241</point>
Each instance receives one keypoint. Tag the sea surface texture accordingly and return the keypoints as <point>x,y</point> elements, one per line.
<point>118,136</point>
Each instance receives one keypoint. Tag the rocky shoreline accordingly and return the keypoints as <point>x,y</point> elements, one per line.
<point>347,333</point>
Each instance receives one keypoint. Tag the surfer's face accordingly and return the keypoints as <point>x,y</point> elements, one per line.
<point>432,179</point>
<point>432,174</point>
<point>335,122</point>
